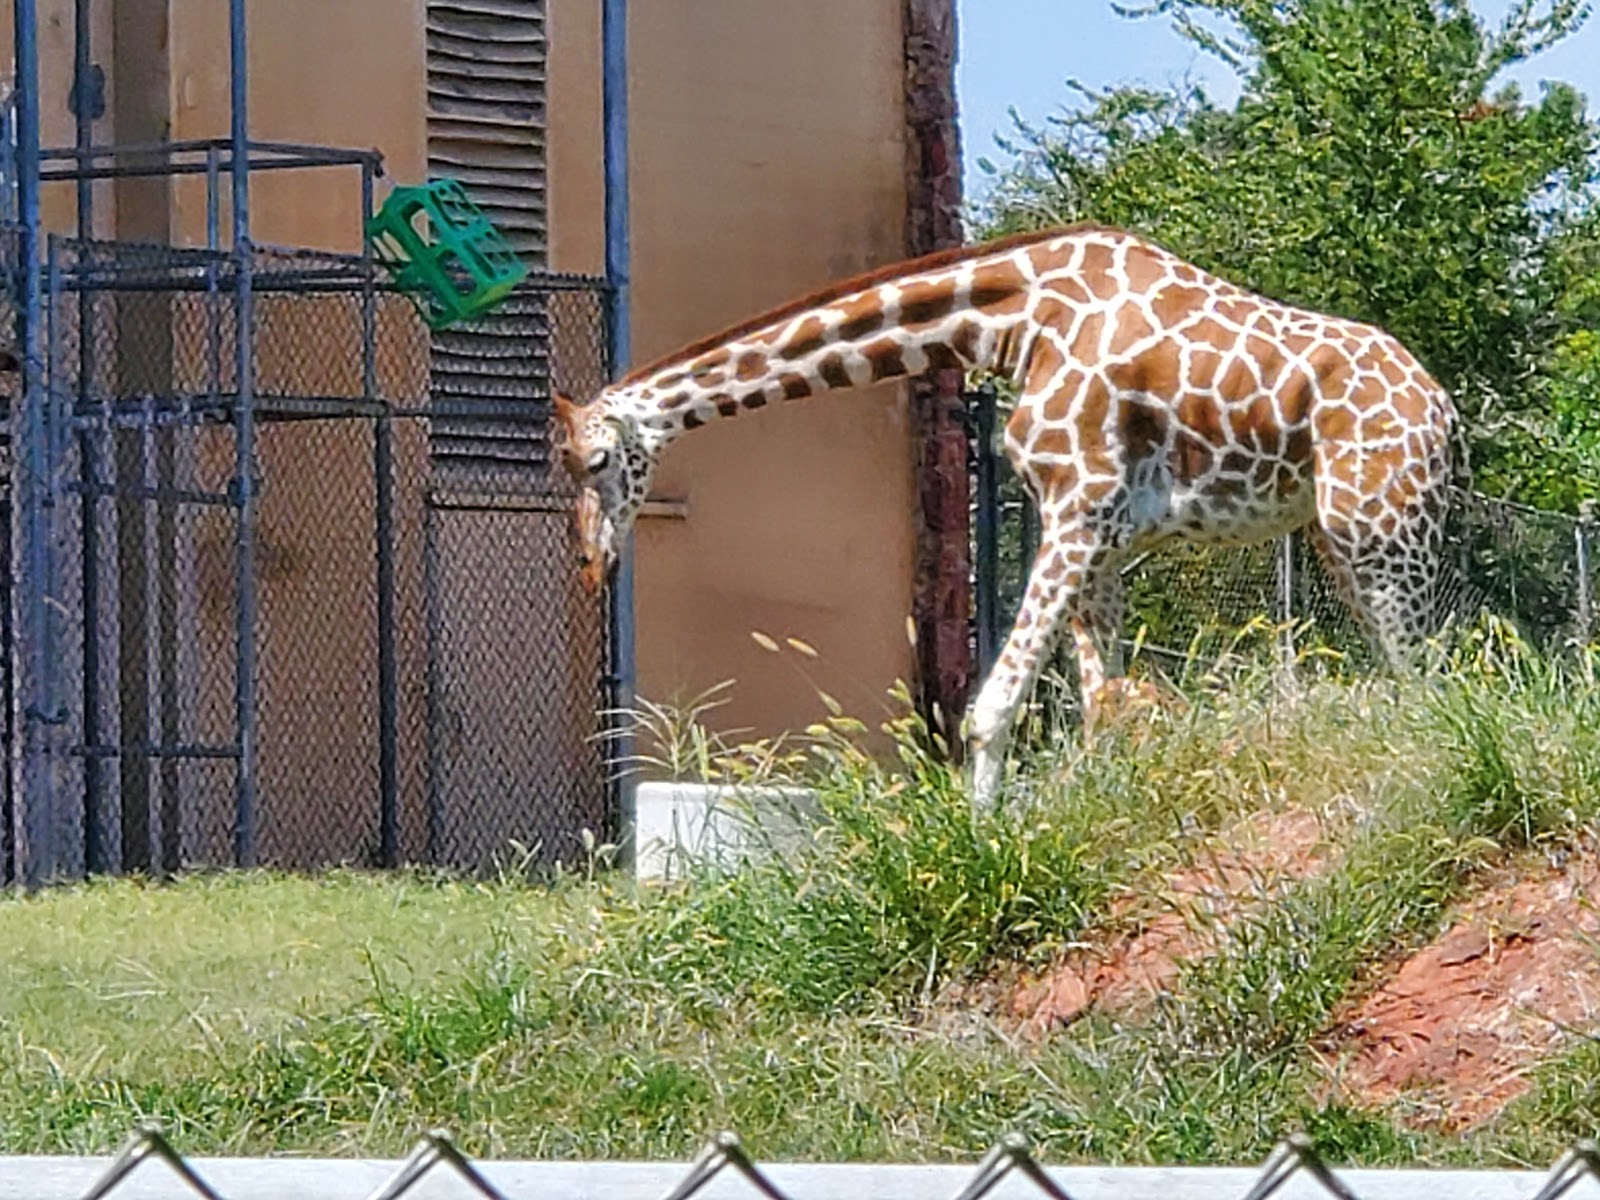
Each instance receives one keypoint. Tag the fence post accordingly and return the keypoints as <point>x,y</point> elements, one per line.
<point>986,529</point>
<point>1582,534</point>
<point>32,794</point>
<point>1283,614</point>
<point>244,434</point>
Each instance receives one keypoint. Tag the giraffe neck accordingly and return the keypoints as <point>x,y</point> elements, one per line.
<point>968,315</point>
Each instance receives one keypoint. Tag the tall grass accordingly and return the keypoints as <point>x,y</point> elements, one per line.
<point>805,999</point>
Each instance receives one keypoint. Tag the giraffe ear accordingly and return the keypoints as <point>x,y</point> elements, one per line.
<point>567,414</point>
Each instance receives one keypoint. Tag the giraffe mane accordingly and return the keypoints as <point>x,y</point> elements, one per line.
<point>856,283</point>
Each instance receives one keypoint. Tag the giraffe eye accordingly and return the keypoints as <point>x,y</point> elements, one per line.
<point>597,461</point>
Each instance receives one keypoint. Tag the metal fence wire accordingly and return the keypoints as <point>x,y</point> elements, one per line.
<point>437,1154</point>
<point>426,668</point>
<point>1187,604</point>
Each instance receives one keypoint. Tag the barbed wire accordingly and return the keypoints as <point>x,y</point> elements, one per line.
<point>1295,1156</point>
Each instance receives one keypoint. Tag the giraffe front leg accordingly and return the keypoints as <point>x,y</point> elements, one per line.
<point>1054,586</point>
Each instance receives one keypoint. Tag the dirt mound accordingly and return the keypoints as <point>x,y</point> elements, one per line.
<point>1450,1036</point>
<point>1445,1038</point>
<point>1149,937</point>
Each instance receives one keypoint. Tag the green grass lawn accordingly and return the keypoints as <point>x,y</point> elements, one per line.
<point>115,973</point>
<point>805,1003</point>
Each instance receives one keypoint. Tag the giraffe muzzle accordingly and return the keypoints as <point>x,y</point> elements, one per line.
<point>594,540</point>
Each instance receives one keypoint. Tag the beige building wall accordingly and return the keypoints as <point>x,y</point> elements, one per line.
<point>347,73</point>
<point>767,158</point>
<point>56,22</point>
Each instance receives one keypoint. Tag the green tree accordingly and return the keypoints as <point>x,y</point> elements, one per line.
<point>1367,170</point>
<point>1548,453</point>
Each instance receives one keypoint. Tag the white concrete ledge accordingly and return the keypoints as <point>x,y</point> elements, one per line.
<point>680,825</point>
<point>354,1179</point>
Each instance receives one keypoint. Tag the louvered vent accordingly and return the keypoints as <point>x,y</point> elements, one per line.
<point>486,127</point>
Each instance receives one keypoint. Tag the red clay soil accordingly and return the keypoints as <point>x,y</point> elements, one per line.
<point>1449,1038</point>
<point>1449,1035</point>
<point>1141,953</point>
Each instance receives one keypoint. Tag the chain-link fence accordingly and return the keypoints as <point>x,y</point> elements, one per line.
<point>437,1167</point>
<point>1192,603</point>
<point>329,616</point>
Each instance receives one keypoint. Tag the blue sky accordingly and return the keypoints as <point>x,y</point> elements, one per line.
<point>1020,53</point>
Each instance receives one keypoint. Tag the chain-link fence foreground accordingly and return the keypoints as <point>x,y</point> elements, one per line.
<point>437,1169</point>
<point>296,582</point>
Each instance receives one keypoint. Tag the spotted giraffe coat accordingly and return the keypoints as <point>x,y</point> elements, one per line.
<point>1155,402</point>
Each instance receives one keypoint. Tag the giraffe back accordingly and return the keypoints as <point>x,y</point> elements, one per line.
<point>1187,406</point>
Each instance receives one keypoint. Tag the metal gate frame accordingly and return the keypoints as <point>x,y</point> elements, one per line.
<point>90,747</point>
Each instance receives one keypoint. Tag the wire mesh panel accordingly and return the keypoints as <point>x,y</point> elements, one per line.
<point>506,763</point>
<point>1187,602</point>
<point>506,630</point>
<point>145,522</point>
<point>1529,566</point>
<point>428,673</point>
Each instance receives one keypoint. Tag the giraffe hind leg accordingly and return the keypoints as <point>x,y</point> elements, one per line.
<point>1388,575</point>
<point>1097,631</point>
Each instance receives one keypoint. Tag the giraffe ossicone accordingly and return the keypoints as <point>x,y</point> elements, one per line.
<point>1156,402</point>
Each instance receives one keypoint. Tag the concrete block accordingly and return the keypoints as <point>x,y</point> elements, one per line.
<point>678,825</point>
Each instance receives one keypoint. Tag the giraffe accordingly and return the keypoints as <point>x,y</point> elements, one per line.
<point>1155,402</point>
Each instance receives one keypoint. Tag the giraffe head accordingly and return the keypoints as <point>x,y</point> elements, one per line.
<point>611,460</point>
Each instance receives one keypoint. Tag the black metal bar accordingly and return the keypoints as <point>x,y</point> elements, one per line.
<point>1583,541</point>
<point>134,686</point>
<point>214,308</point>
<point>244,483</point>
<point>337,276</point>
<point>434,691</point>
<point>383,502</point>
<point>153,750</point>
<point>90,489</point>
<point>33,792</point>
<point>986,530</point>
<point>72,174</point>
<point>213,205</point>
<point>174,462</point>
<point>327,156</point>
<point>1283,569</point>
<point>8,160</point>
<point>173,495</point>
<point>51,455</point>
<point>619,609</point>
<point>123,416</point>
<point>219,404</point>
<point>83,120</point>
<point>96,854</point>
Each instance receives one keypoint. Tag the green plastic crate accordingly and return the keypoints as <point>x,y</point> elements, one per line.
<point>443,251</point>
